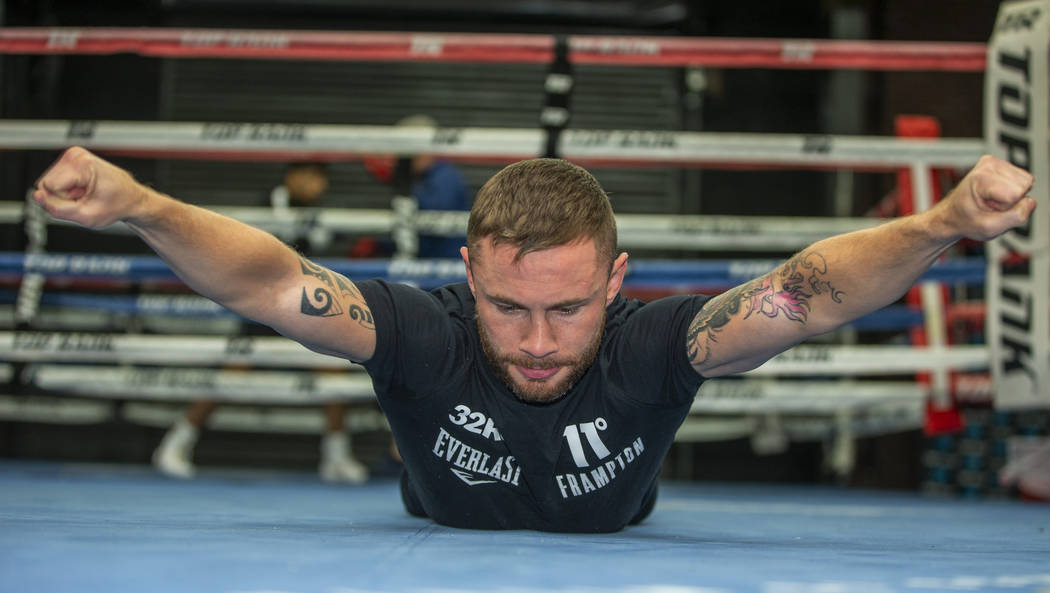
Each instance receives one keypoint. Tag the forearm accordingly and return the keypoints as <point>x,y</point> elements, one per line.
<point>844,277</point>
<point>247,270</point>
<point>223,259</point>
<point>822,287</point>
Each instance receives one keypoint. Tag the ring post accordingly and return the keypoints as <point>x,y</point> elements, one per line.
<point>1017,115</point>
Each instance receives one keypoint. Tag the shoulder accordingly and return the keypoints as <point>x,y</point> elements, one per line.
<point>456,299</point>
<point>677,308</point>
<point>651,333</point>
<point>421,336</point>
<point>645,348</point>
<point>452,299</point>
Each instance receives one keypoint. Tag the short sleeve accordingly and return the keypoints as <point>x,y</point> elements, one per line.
<point>649,348</point>
<point>417,340</point>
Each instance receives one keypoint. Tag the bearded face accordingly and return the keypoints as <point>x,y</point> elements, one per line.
<point>540,380</point>
<point>541,315</point>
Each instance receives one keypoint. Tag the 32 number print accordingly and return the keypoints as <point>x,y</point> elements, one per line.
<point>589,430</point>
<point>475,422</point>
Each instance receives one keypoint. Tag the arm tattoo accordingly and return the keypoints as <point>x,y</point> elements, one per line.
<point>713,317</point>
<point>808,270</point>
<point>362,316</point>
<point>324,304</point>
<point>786,290</point>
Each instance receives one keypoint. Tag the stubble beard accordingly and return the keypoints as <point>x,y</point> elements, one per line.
<point>540,391</point>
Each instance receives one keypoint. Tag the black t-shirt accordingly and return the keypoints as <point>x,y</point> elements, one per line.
<point>478,457</point>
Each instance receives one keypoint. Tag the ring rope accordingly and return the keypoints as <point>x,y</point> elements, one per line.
<point>433,272</point>
<point>292,141</point>
<point>167,349</point>
<point>717,396</point>
<point>840,430</point>
<point>285,387</point>
<point>188,384</point>
<point>464,47</point>
<point>98,347</point>
<point>890,318</point>
<point>893,317</point>
<point>800,396</point>
<point>653,231</point>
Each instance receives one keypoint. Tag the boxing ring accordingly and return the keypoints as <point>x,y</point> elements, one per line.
<point>233,530</point>
<point>111,528</point>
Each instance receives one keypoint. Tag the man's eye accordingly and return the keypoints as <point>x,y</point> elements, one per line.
<point>569,310</point>
<point>505,308</point>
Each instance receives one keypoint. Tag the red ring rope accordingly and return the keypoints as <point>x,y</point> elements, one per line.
<point>584,49</point>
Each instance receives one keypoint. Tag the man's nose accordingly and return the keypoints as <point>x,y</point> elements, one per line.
<point>539,340</point>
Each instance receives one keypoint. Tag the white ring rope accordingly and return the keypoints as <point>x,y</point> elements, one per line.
<point>719,396</point>
<point>33,346</point>
<point>254,141</point>
<point>645,231</point>
<point>187,384</point>
<point>810,360</point>
<point>802,360</point>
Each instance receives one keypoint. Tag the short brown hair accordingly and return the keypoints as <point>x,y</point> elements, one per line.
<point>542,203</point>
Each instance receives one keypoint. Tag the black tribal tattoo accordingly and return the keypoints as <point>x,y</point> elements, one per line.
<point>323,303</point>
<point>799,279</point>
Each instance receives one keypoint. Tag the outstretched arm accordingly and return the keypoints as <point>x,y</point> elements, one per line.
<point>844,277</point>
<point>243,268</point>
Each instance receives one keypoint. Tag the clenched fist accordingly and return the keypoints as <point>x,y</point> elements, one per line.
<point>82,188</point>
<point>990,200</point>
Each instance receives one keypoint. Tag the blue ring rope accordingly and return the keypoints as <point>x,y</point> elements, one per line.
<point>430,273</point>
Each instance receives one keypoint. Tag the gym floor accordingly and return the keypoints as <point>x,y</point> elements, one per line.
<point>121,528</point>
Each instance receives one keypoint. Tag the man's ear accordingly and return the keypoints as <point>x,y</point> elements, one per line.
<point>619,270</point>
<point>465,254</point>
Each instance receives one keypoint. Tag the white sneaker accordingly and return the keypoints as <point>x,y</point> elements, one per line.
<point>346,469</point>
<point>173,462</point>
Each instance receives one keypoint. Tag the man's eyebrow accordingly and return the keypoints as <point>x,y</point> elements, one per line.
<point>500,300</point>
<point>572,303</point>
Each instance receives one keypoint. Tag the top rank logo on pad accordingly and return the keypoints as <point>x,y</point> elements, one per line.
<point>1017,102</point>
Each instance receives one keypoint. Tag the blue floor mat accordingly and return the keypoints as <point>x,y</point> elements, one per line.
<point>105,528</point>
